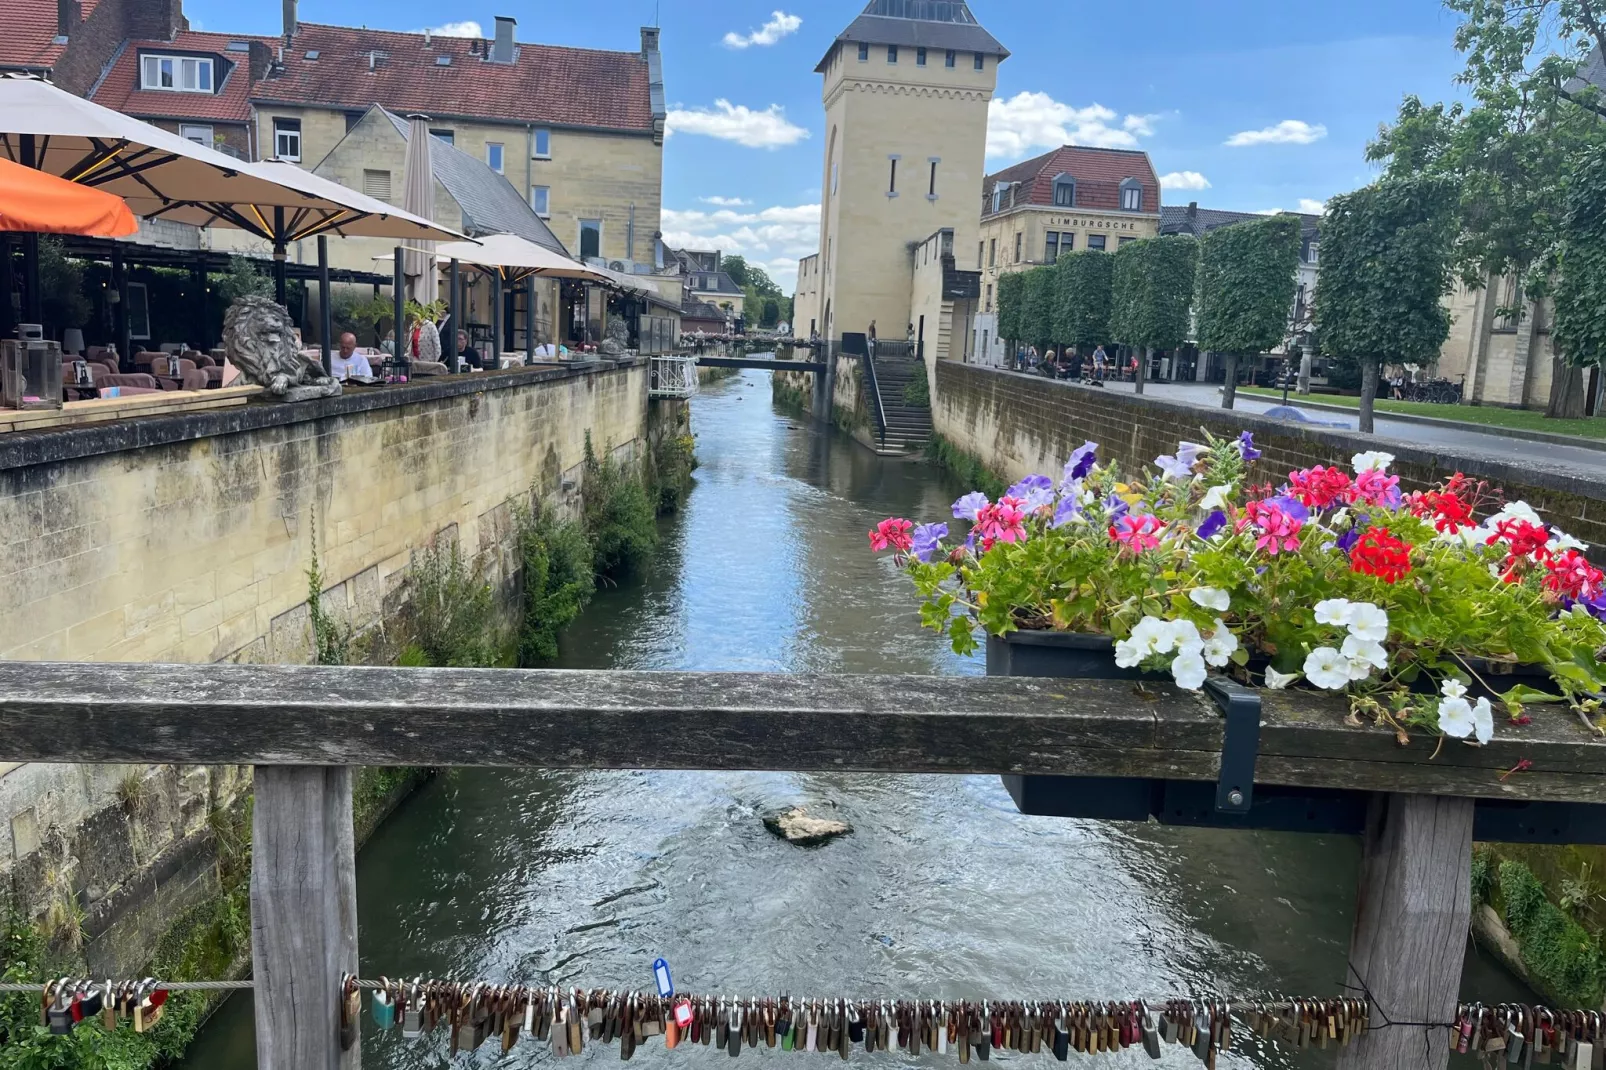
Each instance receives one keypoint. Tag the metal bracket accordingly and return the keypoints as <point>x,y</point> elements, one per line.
<point>1240,745</point>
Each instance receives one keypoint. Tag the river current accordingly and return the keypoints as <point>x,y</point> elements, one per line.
<point>942,890</point>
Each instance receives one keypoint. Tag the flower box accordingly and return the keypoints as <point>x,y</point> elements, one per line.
<point>1063,654</point>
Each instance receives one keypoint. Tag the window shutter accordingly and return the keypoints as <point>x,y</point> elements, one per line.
<point>376,184</point>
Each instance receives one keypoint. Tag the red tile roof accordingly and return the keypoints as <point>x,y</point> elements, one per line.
<point>29,33</point>
<point>229,104</point>
<point>1098,174</point>
<point>548,84</point>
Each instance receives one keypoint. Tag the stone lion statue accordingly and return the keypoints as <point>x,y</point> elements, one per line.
<point>260,340</point>
<point>617,344</point>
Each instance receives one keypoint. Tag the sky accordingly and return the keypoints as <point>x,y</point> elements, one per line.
<point>1253,105</point>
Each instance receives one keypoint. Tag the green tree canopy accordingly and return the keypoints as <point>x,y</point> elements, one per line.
<point>1246,289</point>
<point>1083,284</point>
<point>1387,253</point>
<point>735,265</point>
<point>1580,334</point>
<point>1152,293</point>
<point>1037,317</point>
<point>1011,301</point>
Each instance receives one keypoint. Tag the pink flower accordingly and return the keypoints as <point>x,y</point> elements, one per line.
<point>1279,529</point>
<point>1376,487</point>
<point>892,533</point>
<point>1137,532</point>
<point>1003,521</point>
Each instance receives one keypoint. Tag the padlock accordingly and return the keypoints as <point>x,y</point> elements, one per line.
<point>59,1016</point>
<point>384,1005</point>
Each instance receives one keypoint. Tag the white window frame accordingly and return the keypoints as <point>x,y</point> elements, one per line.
<point>152,67</point>
<point>1068,182</point>
<point>495,155</point>
<point>543,208</point>
<point>278,151</point>
<point>1315,250</point>
<point>1134,189</point>
<point>536,152</point>
<point>187,131</point>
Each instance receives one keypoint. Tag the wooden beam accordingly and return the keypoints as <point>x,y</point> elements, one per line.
<point>303,915</point>
<point>560,719</point>
<point>1411,915</point>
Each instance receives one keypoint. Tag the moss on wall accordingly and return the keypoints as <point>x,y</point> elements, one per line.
<point>966,467</point>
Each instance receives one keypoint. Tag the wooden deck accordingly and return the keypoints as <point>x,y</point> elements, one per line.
<point>99,410</point>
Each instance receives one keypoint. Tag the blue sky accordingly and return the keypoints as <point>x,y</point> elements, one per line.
<point>1270,102</point>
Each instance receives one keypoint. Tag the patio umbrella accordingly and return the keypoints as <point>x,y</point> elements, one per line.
<point>32,201</point>
<point>516,258</point>
<point>418,197</point>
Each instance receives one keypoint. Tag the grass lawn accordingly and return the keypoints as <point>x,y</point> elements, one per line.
<point>1484,415</point>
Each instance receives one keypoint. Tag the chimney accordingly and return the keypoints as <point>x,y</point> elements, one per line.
<point>67,17</point>
<point>373,61</point>
<point>502,50</point>
<point>649,40</point>
<point>426,38</point>
<point>290,24</point>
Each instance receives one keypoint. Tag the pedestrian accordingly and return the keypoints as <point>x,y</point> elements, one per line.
<point>871,336</point>
<point>1101,361</point>
<point>909,338</point>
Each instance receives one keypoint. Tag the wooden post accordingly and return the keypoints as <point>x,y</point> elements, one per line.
<point>303,915</point>
<point>1412,911</point>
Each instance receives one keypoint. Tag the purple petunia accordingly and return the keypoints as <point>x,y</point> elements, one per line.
<point>928,540</point>
<point>967,507</point>
<point>1116,507</point>
<point>1034,492</point>
<point>1188,452</point>
<point>1081,463</point>
<point>1173,467</point>
<point>1069,508</point>
<point>1212,524</point>
<point>1347,541</point>
<point>1246,447</point>
<point>1292,506</point>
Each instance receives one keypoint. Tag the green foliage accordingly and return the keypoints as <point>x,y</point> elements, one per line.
<point>1580,299</point>
<point>1566,959</point>
<point>966,467</point>
<point>771,314</point>
<point>61,288</point>
<point>917,392</point>
<point>1152,292</point>
<point>619,517</point>
<point>331,638</point>
<point>242,280</point>
<point>1011,305</point>
<point>673,458</point>
<point>557,580</point>
<point>735,265</point>
<point>360,313</point>
<point>1483,875</point>
<point>450,609</point>
<point>1037,307</point>
<point>1082,294</point>
<point>1246,284</point>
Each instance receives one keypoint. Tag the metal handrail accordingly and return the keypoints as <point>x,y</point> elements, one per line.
<point>875,392</point>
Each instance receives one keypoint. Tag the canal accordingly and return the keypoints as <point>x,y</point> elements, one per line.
<point>941,890</point>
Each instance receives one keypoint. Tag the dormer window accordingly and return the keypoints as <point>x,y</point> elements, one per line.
<point>1064,191</point>
<point>1131,195</point>
<point>1311,252</point>
<point>176,74</point>
<point>1000,191</point>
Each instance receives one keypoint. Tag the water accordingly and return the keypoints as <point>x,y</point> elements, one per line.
<point>942,890</point>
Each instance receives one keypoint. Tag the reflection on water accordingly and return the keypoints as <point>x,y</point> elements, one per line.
<point>942,890</point>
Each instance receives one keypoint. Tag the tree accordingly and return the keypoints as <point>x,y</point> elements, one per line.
<point>1152,295</point>
<point>1246,289</point>
<point>1011,309</point>
<point>1580,333</point>
<point>61,289</point>
<point>242,280</point>
<point>1037,320</point>
<point>1387,252</point>
<point>735,266</point>
<point>1082,290</point>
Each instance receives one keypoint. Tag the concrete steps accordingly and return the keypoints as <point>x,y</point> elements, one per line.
<point>908,426</point>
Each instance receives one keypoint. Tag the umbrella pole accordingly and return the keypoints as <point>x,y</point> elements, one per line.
<point>454,322</point>
<point>325,314</point>
<point>497,322</point>
<point>33,311</point>
<point>398,298</point>
<point>279,255</point>
<point>121,327</point>
<point>8,290</point>
<point>529,319</point>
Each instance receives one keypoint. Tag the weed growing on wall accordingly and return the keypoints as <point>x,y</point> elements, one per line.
<point>917,392</point>
<point>966,467</point>
<point>331,638</point>
<point>450,611</point>
<point>557,580</point>
<point>1564,958</point>
<point>619,518</point>
<point>673,458</point>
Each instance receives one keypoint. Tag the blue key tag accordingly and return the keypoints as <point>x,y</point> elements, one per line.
<point>660,972</point>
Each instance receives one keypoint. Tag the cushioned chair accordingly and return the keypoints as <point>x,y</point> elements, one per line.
<point>129,382</point>
<point>184,367</point>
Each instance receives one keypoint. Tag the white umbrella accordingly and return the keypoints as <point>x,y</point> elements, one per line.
<point>517,257</point>
<point>418,197</point>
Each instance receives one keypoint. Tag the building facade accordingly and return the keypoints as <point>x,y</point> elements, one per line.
<point>1497,358</point>
<point>1070,199</point>
<point>906,90</point>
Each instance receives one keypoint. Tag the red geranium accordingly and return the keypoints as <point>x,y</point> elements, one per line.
<point>1571,576</point>
<point>893,533</point>
<point>1523,538</point>
<point>1381,554</point>
<point>1320,487</point>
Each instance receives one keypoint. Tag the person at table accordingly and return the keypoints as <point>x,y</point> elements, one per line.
<point>347,361</point>
<point>466,352</point>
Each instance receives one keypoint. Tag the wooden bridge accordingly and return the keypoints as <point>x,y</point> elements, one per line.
<point>303,728</point>
<point>765,363</point>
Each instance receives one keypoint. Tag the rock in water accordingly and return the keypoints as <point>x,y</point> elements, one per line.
<point>796,826</point>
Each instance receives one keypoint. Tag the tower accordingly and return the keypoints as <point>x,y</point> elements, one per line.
<point>906,90</point>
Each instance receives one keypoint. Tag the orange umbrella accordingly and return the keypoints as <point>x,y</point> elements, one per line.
<point>41,203</point>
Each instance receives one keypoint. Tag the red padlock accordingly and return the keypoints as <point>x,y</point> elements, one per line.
<point>683,1014</point>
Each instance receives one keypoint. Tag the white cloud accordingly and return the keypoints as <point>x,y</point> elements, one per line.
<point>1184,180</point>
<point>767,129</point>
<point>1307,206</point>
<point>725,202</point>
<point>774,238</point>
<point>1287,132</point>
<point>779,25</point>
<point>1030,121</point>
<point>466,28</point>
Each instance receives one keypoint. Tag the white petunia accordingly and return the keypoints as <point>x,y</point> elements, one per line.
<point>1452,688</point>
<point>1483,721</point>
<point>1189,670</point>
<point>1211,598</point>
<point>1359,669</point>
<point>1276,681</point>
<point>1469,538</point>
<point>1455,717</point>
<point>1219,648</point>
<point>1185,635</point>
<point>1518,510</point>
<point>1367,650</point>
<point>1153,636</point>
<point>1365,462</point>
<point>1327,668</point>
<point>1561,541</point>
<point>1127,653</point>
<point>1338,519</point>
<point>1215,498</point>
<point>1334,611</point>
<point>1368,622</point>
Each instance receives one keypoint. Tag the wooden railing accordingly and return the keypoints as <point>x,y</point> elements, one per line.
<point>303,728</point>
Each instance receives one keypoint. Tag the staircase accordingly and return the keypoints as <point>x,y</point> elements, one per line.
<point>908,426</point>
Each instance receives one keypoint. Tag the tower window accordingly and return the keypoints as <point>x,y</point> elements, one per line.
<point>920,57</point>
<point>948,61</point>
<point>892,176</point>
<point>980,62</point>
<point>892,53</point>
<point>931,186</point>
<point>864,52</point>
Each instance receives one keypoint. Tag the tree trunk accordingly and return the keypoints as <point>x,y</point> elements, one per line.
<point>1229,387</point>
<point>1566,391</point>
<point>1370,372</point>
<point>1143,368</point>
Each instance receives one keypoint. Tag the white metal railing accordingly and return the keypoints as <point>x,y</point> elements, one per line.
<point>673,377</point>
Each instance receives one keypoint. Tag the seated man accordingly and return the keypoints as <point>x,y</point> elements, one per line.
<point>466,352</point>
<point>347,361</point>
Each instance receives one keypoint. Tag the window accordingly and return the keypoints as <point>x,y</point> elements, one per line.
<point>989,305</point>
<point>543,144</point>
<point>992,252</point>
<point>352,119</point>
<point>892,176</point>
<point>1067,240</point>
<point>182,74</point>
<point>948,60</point>
<point>445,135</point>
<point>1311,251</point>
<point>201,135</point>
<point>590,238</point>
<point>1124,241</point>
<point>287,139</point>
<point>998,196</point>
<point>931,184</point>
<point>1096,241</point>
<point>493,156</point>
<point>376,184</point>
<point>1064,191</point>
<point>540,200</point>
<point>1131,195</point>
<point>920,57</point>
<point>864,52</point>
<point>1017,246</point>
<point>981,253</point>
<point>1051,251</point>
<point>892,53</point>
<point>980,62</point>
<point>833,178</point>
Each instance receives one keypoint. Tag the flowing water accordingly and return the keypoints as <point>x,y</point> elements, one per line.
<point>942,889</point>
